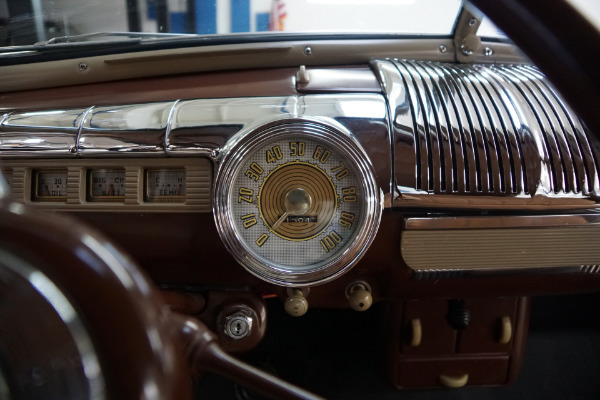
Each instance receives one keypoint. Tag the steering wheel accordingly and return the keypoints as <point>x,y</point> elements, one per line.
<point>80,320</point>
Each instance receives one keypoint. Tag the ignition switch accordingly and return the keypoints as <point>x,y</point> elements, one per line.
<point>238,324</point>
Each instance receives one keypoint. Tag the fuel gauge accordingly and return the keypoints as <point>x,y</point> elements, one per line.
<point>49,185</point>
<point>106,185</point>
<point>165,185</point>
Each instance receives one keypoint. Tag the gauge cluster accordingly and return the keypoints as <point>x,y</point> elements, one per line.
<point>297,203</point>
<point>108,185</point>
<point>295,184</point>
<point>147,185</point>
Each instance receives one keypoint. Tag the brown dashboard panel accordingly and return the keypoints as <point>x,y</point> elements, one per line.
<point>183,250</point>
<point>249,83</point>
<point>275,82</point>
<point>453,343</point>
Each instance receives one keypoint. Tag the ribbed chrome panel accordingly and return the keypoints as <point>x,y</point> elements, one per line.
<point>487,130</point>
<point>502,243</point>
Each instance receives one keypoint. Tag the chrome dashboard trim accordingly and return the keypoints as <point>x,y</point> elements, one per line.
<point>41,133</point>
<point>138,129</point>
<point>504,221</point>
<point>486,136</point>
<point>462,136</point>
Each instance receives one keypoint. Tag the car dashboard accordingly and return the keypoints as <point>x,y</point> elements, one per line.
<point>436,198</point>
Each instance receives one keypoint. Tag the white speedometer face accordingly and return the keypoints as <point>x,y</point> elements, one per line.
<point>299,204</point>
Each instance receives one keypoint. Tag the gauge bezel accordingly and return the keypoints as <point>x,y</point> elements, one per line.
<point>330,133</point>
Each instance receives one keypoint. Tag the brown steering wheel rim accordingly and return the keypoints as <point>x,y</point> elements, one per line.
<point>117,303</point>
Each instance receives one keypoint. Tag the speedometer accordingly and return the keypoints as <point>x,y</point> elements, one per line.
<point>297,203</point>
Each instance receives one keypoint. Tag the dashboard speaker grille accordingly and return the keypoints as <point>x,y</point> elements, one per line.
<point>495,130</point>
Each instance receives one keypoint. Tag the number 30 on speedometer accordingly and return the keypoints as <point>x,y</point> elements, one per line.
<point>297,203</point>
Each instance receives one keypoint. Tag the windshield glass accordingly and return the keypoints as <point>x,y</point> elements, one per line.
<point>29,22</point>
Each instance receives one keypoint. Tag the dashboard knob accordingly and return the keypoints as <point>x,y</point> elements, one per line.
<point>296,305</point>
<point>359,296</point>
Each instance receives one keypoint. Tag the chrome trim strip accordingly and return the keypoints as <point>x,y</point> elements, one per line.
<point>434,156</point>
<point>80,129</point>
<point>471,172</point>
<point>423,274</point>
<point>478,129</point>
<point>475,131</point>
<point>511,140</point>
<point>422,164</point>
<point>401,126</point>
<point>504,221</point>
<point>536,159</point>
<point>133,129</point>
<point>440,124</point>
<point>568,120</point>
<point>551,148</point>
<point>4,118</point>
<point>489,124</point>
<point>459,168</point>
<point>547,121</point>
<point>492,102</point>
<point>169,125</point>
<point>47,133</point>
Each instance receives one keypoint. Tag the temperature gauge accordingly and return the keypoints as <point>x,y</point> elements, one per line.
<point>49,186</point>
<point>106,185</point>
<point>165,185</point>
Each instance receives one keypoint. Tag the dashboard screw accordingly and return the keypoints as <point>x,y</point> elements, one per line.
<point>307,51</point>
<point>443,48</point>
<point>472,21</point>
<point>488,51</point>
<point>82,67</point>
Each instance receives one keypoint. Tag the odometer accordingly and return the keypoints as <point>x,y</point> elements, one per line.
<point>297,203</point>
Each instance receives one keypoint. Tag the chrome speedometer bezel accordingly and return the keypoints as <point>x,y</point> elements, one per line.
<point>330,133</point>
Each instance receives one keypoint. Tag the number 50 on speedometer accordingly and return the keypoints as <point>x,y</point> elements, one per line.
<point>296,203</point>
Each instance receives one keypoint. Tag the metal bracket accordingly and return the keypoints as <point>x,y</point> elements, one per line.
<point>466,42</point>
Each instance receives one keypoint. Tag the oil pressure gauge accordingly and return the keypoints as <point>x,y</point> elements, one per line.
<point>297,203</point>
<point>49,185</point>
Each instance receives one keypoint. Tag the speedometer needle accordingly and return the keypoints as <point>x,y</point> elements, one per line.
<point>297,201</point>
